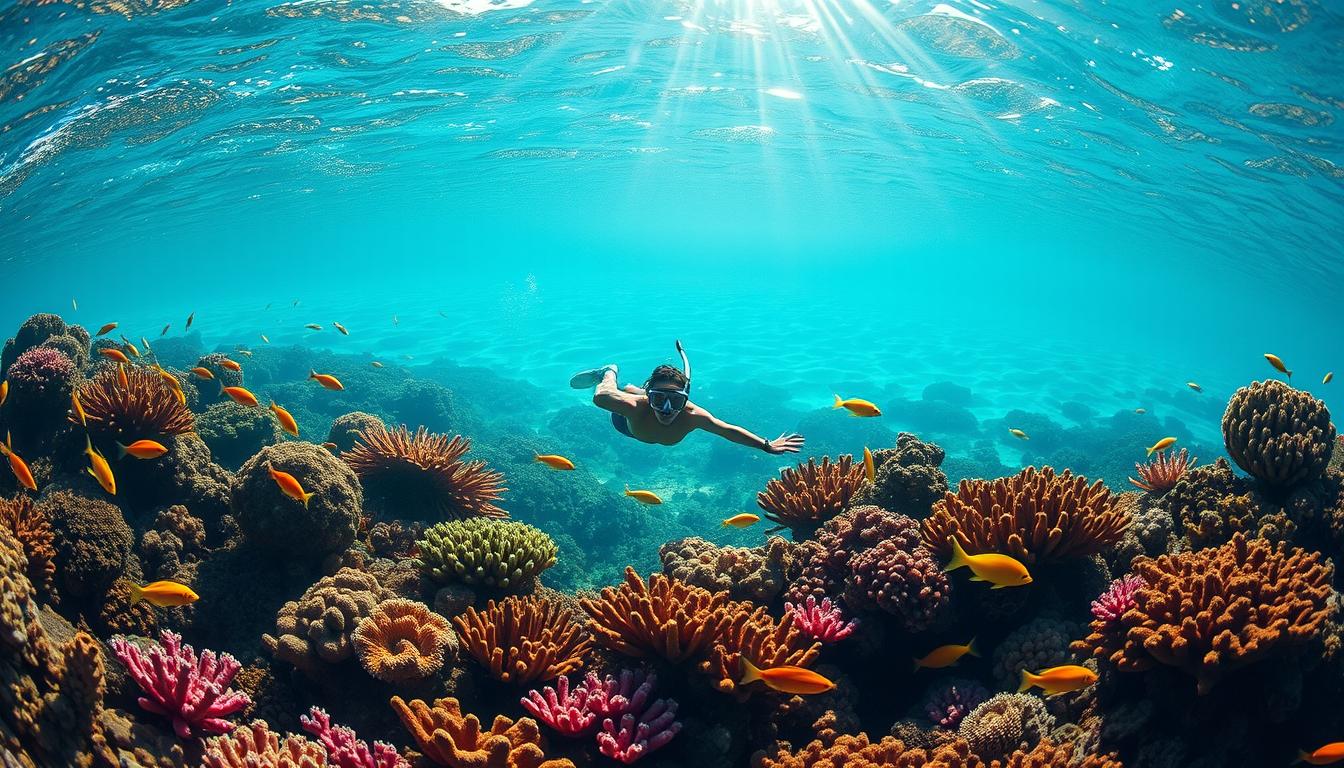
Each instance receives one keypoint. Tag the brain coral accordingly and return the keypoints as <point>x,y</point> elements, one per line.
<point>451,739</point>
<point>502,554</point>
<point>270,519</point>
<point>146,409</point>
<point>1040,643</point>
<point>1281,435</point>
<point>1004,723</point>
<point>1035,516</point>
<point>663,618</point>
<point>1212,611</point>
<point>32,529</point>
<point>235,432</point>
<point>344,432</point>
<point>319,627</point>
<point>522,640</point>
<point>423,476</point>
<point>744,573</point>
<point>908,479</point>
<point>92,542</point>
<point>403,640</point>
<point>809,495</point>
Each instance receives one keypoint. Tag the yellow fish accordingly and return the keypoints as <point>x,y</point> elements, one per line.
<point>1165,442</point>
<point>313,327</point>
<point>17,465</point>
<point>999,570</point>
<point>1275,361</point>
<point>287,421</point>
<point>203,372</point>
<point>869,468</point>
<point>164,594</point>
<point>141,449</point>
<point>340,328</point>
<point>1329,377</point>
<point>326,380</point>
<point>946,656</point>
<point>795,680</point>
<point>555,461</point>
<point>4,391</point>
<point>121,377</point>
<point>643,497</point>
<point>1019,434</point>
<point>114,354</point>
<point>172,383</point>
<point>133,350</point>
<point>857,407</point>
<point>106,329</point>
<point>78,409</point>
<point>289,485</point>
<point>239,395</point>
<point>376,364</point>
<point>1194,386</point>
<point>99,469</point>
<point>229,365</point>
<point>1326,755</point>
<point>744,520</point>
<point>1057,680</point>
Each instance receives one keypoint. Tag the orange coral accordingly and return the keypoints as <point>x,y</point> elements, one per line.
<point>831,750</point>
<point>426,471</point>
<point>1214,610</point>
<point>31,528</point>
<point>665,618</point>
<point>147,408</point>
<point>811,494</point>
<point>453,740</point>
<point>750,631</point>
<point>1159,475</point>
<point>1035,516</point>
<point>1047,754</point>
<point>258,745</point>
<point>524,639</point>
<point>403,640</point>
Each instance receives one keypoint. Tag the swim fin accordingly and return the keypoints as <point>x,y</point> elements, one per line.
<point>589,378</point>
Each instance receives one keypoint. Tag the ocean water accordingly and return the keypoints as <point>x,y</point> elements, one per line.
<point>982,216</point>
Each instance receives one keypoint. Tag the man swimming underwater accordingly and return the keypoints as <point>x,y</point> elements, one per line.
<point>661,411</point>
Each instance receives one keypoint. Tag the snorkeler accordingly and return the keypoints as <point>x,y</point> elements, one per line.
<point>661,411</point>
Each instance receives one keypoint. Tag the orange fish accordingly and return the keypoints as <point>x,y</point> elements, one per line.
<point>134,352</point>
<point>326,380</point>
<point>114,354</point>
<point>289,485</point>
<point>79,409</point>
<point>164,594</point>
<point>141,449</point>
<point>555,461</point>
<point>4,391</point>
<point>1326,755</point>
<point>172,383</point>
<point>121,377</point>
<point>287,421</point>
<point>330,447</point>
<point>106,329</point>
<point>869,468</point>
<point>1000,570</point>
<point>643,497</point>
<point>230,365</point>
<point>99,469</point>
<point>946,656</point>
<point>857,406</point>
<point>786,679</point>
<point>239,395</point>
<point>18,466</point>
<point>1277,363</point>
<point>1057,680</point>
<point>341,328</point>
<point>203,372</point>
<point>743,520</point>
<point>1162,444</point>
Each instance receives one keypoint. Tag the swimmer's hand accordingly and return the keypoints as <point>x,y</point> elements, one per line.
<point>789,443</point>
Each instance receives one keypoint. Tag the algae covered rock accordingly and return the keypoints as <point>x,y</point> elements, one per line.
<point>236,432</point>
<point>482,552</point>
<point>271,520</point>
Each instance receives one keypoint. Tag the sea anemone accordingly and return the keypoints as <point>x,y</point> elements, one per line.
<point>805,497</point>
<point>423,474</point>
<point>522,640</point>
<point>147,408</point>
<point>1159,475</point>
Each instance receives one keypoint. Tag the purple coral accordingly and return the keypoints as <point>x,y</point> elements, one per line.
<point>629,730</point>
<point>636,737</point>
<point>950,702</point>
<point>1118,598</point>
<point>344,749</point>
<point>907,582</point>
<point>564,709</point>
<point>194,693</point>
<point>40,367</point>
<point>824,621</point>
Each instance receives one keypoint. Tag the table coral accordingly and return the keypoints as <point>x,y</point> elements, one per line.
<point>451,739</point>
<point>32,529</point>
<point>423,474</point>
<point>1034,516</point>
<point>745,573</point>
<point>1280,435</point>
<point>192,692</point>
<point>319,627</point>
<point>804,497</point>
<point>146,409</point>
<point>908,478</point>
<point>403,640</point>
<point>270,519</point>
<point>752,633</point>
<point>502,554</point>
<point>663,618</point>
<point>522,640</point>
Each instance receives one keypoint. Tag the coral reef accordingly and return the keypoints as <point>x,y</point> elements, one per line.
<point>617,709</point>
<point>41,381</point>
<point>1211,504</point>
<point>832,750</point>
<point>1034,516</point>
<point>1118,598</point>
<point>563,709</point>
<point>663,618</point>
<point>176,539</point>
<point>807,496</point>
<point>422,475</point>
<point>1159,474</point>
<point>639,731</point>
<point>500,554</point>
<point>236,432</point>
<point>403,640</point>
<point>451,739</point>
<point>1280,435</point>
<point>45,330</point>
<point>92,542</point>
<point>521,640</point>
<point>192,692</point>
<point>908,478</point>
<point>1005,723</point>
<point>344,432</point>
<point>319,627</point>
<point>824,621</point>
<point>256,746</point>
<point>32,529</point>
<point>1038,644</point>
<point>947,703</point>
<point>272,520</point>
<point>344,749</point>
<point>752,633</point>
<point>146,409</point>
<point>755,573</point>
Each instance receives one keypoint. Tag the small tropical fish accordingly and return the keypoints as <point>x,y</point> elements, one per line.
<point>1057,680</point>
<point>74,305</point>
<point>289,485</point>
<point>4,391</point>
<point>265,339</point>
<point>190,317</point>
<point>122,378</point>
<point>313,327</point>
<point>1019,434</point>
<point>99,469</point>
<point>164,332</point>
<point>946,656</point>
<point>330,447</point>
<point>1194,386</point>
<point>326,380</point>
<point>172,383</point>
<point>268,305</point>
<point>1326,755</point>
<point>239,395</point>
<point>643,497</point>
<point>245,352</point>
<point>1165,442</point>
<point>106,329</point>
<point>869,468</point>
<point>340,328</point>
<point>114,354</point>
<point>857,407</point>
<point>164,594</point>
<point>229,365</point>
<point>78,409</point>
<point>17,465</point>
<point>148,349</point>
<point>744,520</point>
<point>376,364</point>
<point>203,372</point>
<point>295,304</point>
<point>1277,362</point>
<point>287,421</point>
<point>395,321</point>
<point>135,352</point>
<point>141,449</point>
<point>444,315</point>
<point>794,680</point>
<point>999,570</point>
<point>1329,377</point>
<point>555,461</point>
<point>1140,411</point>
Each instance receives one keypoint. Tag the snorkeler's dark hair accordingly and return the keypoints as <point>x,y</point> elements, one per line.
<point>669,374</point>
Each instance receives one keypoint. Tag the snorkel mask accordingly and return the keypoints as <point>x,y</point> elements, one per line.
<point>667,403</point>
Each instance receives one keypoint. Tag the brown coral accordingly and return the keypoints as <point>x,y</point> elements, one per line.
<point>453,740</point>
<point>1281,435</point>
<point>425,474</point>
<point>145,409</point>
<point>403,640</point>
<point>805,497</point>
<point>752,633</point>
<point>92,541</point>
<point>1035,516</point>
<point>256,745</point>
<point>31,528</point>
<point>832,750</point>
<point>319,627</point>
<point>1161,473</point>
<point>524,639</point>
<point>744,573</point>
<point>663,618</point>
<point>1212,611</point>
<point>1048,754</point>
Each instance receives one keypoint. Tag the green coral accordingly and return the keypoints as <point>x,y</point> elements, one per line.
<point>485,552</point>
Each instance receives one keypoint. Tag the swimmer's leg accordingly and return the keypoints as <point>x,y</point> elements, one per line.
<point>590,378</point>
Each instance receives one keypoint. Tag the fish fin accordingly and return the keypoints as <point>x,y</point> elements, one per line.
<point>306,497</point>
<point>88,444</point>
<point>1301,757</point>
<point>137,593</point>
<point>1026,682</point>
<point>9,440</point>
<point>958,556</point>
<point>971,649</point>
<point>312,373</point>
<point>750,673</point>
<point>838,402</point>
<point>916,667</point>
<point>996,586</point>
<point>978,578</point>
<point>121,451</point>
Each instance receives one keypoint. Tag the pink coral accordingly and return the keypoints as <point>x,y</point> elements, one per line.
<point>636,736</point>
<point>194,693</point>
<point>1159,475</point>
<point>1118,598</point>
<point>564,709</point>
<point>823,621</point>
<point>344,749</point>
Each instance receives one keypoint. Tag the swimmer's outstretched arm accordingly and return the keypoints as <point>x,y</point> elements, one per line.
<point>788,443</point>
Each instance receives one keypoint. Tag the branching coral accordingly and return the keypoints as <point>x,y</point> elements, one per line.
<point>1048,754</point>
<point>811,494</point>
<point>31,528</point>
<point>424,475</point>
<point>832,750</point>
<point>1118,598</point>
<point>192,692</point>
<point>908,478</point>
<point>1035,516</point>
<point>503,554</point>
<point>750,632</point>
<point>1161,473</point>
<point>146,409</point>
<point>453,740</point>
<point>344,749</point>
<point>319,627</point>
<point>744,573</point>
<point>522,640</point>
<point>403,640</point>
<point>563,708</point>
<point>257,746</point>
<point>824,620</point>
<point>273,520</point>
<point>1281,435</point>
<point>1212,611</point>
<point>663,618</point>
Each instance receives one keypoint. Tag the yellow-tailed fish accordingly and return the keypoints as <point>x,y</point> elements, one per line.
<point>202,372</point>
<point>999,570</point>
<point>1162,444</point>
<point>99,469</point>
<point>190,317</point>
<point>239,395</point>
<point>857,407</point>
<point>106,329</point>
<point>141,449</point>
<point>289,485</point>
<point>17,465</point>
<point>164,594</point>
<point>643,497</point>
<point>744,520</point>
<point>554,461</point>
<point>287,421</point>
<point>1277,362</point>
<point>793,680</point>
<point>1194,386</point>
<point>114,354</point>
<point>1329,377</point>
<point>4,391</point>
<point>313,327</point>
<point>869,468</point>
<point>229,365</point>
<point>1327,755</point>
<point>122,379</point>
<point>1019,434</point>
<point>341,328</point>
<point>78,409</point>
<point>376,364</point>
<point>946,656</point>
<point>327,381</point>
<point>1057,680</point>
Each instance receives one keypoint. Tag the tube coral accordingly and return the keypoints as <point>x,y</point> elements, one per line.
<point>663,618</point>
<point>524,639</point>
<point>451,739</point>
<point>403,640</point>
<point>424,475</point>
<point>504,554</point>
<point>1280,435</point>
<point>639,731</point>
<point>192,692</point>
<point>565,709</point>
<point>1034,516</point>
<point>146,409</point>
<point>809,495</point>
<point>1161,473</point>
<point>751,633</point>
